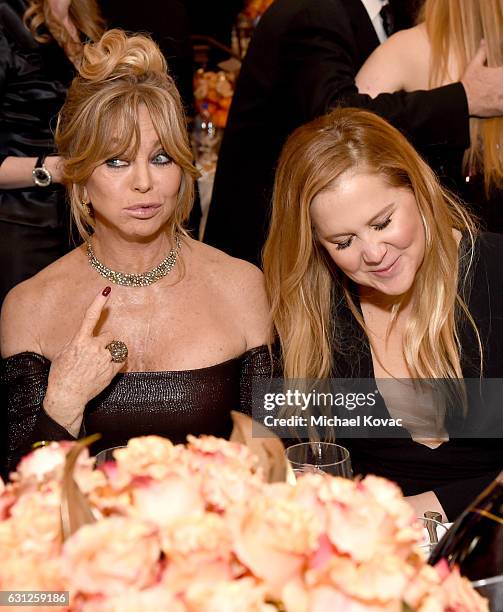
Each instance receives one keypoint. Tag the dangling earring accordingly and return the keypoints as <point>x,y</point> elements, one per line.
<point>87,209</point>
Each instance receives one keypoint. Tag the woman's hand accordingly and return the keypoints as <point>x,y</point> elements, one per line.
<point>81,370</point>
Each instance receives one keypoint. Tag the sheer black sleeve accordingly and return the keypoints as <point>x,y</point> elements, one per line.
<point>261,362</point>
<point>24,380</point>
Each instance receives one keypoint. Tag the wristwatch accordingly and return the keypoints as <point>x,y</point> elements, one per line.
<point>41,176</point>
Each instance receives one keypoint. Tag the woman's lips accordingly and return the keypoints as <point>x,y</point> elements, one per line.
<point>385,272</point>
<point>142,211</point>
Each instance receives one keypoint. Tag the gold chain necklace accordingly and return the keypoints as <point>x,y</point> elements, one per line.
<point>135,280</point>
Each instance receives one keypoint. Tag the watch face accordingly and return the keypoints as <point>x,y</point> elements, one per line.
<point>41,177</point>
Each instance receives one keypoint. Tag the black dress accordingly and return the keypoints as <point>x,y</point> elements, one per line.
<point>170,404</point>
<point>460,468</point>
<point>33,82</point>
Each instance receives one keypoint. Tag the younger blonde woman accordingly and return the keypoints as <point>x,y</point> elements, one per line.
<point>374,272</point>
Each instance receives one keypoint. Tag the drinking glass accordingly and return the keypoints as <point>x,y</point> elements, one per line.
<point>431,526</point>
<point>315,457</point>
<point>492,589</point>
<point>106,455</point>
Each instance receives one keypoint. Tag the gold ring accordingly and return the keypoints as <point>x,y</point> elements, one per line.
<point>118,350</point>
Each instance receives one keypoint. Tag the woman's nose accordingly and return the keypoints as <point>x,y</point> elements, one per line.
<point>142,179</point>
<point>373,251</point>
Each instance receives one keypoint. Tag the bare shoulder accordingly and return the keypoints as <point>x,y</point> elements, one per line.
<point>242,287</point>
<point>228,271</point>
<point>28,305</point>
<point>400,63</point>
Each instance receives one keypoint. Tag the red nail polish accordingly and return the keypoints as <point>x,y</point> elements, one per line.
<point>106,291</point>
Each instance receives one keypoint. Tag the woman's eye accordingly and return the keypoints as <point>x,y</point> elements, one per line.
<point>381,226</point>
<point>343,245</point>
<point>115,162</point>
<point>162,158</point>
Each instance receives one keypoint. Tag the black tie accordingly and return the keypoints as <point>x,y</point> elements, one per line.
<point>388,20</point>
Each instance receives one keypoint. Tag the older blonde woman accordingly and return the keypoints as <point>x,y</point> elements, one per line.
<point>142,329</point>
<point>374,272</point>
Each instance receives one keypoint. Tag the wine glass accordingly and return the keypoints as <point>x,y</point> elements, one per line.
<point>106,455</point>
<point>492,590</point>
<point>433,532</point>
<point>313,457</point>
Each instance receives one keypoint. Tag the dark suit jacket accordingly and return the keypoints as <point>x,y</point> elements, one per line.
<point>301,62</point>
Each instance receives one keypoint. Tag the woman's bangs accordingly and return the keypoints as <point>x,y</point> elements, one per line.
<point>118,131</point>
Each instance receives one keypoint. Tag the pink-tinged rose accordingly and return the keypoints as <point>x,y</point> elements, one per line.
<point>369,527</point>
<point>228,471</point>
<point>230,596</point>
<point>460,595</point>
<point>324,598</point>
<point>150,456</point>
<point>109,501</point>
<point>376,582</point>
<point>155,599</point>
<point>8,498</point>
<point>197,548</point>
<point>221,450</point>
<point>425,581</point>
<point>224,486</point>
<point>112,555</point>
<point>274,537</point>
<point>88,481</point>
<point>34,526</point>
<point>47,463</point>
<point>46,460</point>
<point>305,492</point>
<point>25,572</point>
<point>164,501</point>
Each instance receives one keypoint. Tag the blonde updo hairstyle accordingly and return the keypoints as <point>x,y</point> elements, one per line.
<point>99,119</point>
<point>305,287</point>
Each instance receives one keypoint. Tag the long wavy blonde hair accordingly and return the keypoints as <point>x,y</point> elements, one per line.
<point>99,119</point>
<point>455,29</point>
<point>303,283</point>
<point>84,14</point>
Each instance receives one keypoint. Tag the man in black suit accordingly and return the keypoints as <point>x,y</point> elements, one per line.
<point>302,62</point>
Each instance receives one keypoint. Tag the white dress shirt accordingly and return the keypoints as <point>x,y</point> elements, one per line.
<point>373,8</point>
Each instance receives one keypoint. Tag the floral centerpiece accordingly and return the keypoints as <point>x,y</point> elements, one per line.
<point>196,528</point>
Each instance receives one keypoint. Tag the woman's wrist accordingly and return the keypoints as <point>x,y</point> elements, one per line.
<point>64,413</point>
<point>17,172</point>
<point>54,165</point>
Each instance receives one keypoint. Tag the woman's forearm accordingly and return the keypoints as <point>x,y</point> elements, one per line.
<point>16,172</point>
<point>63,414</point>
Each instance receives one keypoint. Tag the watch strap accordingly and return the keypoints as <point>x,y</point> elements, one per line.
<point>40,161</point>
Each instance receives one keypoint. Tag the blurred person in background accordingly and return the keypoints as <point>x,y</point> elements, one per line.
<point>436,52</point>
<point>302,61</point>
<point>40,52</point>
